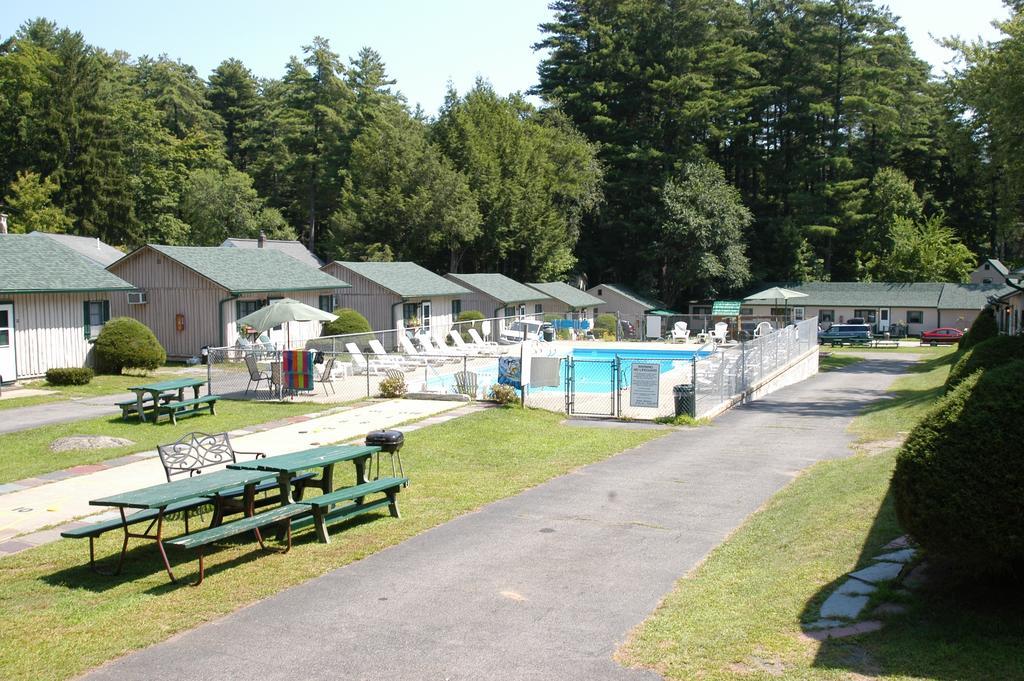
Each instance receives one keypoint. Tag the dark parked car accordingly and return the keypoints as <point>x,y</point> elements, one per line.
<point>853,333</point>
<point>945,334</point>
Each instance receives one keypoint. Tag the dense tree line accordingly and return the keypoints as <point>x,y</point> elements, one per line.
<point>145,150</point>
<point>688,147</point>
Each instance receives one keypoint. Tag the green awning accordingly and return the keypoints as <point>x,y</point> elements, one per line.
<point>725,308</point>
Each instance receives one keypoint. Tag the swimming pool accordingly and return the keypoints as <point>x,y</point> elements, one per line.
<point>592,368</point>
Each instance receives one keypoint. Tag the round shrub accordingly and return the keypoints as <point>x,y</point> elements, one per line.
<point>467,317</point>
<point>348,321</point>
<point>605,324</point>
<point>983,328</point>
<point>985,355</point>
<point>504,394</point>
<point>959,478</point>
<point>69,376</point>
<point>392,386</point>
<point>127,343</point>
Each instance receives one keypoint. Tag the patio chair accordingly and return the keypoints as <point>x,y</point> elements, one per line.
<point>438,351</point>
<point>461,345</point>
<point>720,333</point>
<point>362,365</point>
<point>466,383</point>
<point>382,356</point>
<point>480,342</point>
<point>256,375</point>
<point>410,349</point>
<point>763,329</point>
<point>266,343</point>
<point>679,331</point>
<point>326,377</point>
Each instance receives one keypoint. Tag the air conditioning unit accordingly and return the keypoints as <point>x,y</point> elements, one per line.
<point>137,298</point>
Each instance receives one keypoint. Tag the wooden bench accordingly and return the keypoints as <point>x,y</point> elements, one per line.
<point>199,540</point>
<point>321,506</point>
<point>885,344</point>
<point>131,405</point>
<point>187,407</point>
<point>94,530</point>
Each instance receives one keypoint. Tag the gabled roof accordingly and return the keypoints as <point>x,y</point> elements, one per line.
<point>248,270</point>
<point>865,294</point>
<point>970,296</point>
<point>626,292</point>
<point>568,294</point>
<point>33,263</point>
<point>997,265</point>
<point>499,287</point>
<point>90,247</point>
<point>406,279</point>
<point>293,248</point>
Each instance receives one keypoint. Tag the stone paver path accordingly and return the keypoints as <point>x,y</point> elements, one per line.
<point>59,497</point>
<point>543,585</point>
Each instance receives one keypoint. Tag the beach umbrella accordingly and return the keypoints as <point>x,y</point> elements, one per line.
<point>284,311</point>
<point>774,295</point>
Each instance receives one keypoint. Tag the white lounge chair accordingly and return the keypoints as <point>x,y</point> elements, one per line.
<point>461,345</point>
<point>680,332</point>
<point>361,364</point>
<point>396,361</point>
<point>763,329</point>
<point>437,352</point>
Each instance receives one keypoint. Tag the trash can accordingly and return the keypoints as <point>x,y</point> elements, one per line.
<point>549,333</point>
<point>204,354</point>
<point>684,400</point>
<point>389,441</point>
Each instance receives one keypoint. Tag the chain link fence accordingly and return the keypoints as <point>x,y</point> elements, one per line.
<point>589,380</point>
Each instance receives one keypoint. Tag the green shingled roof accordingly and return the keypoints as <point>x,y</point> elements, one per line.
<point>31,263</point>
<point>243,270</point>
<point>970,296</point>
<point>407,279</point>
<point>499,287</point>
<point>570,295</point>
<point>865,294</point>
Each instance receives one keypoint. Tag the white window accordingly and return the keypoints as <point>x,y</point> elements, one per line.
<point>96,313</point>
<point>915,317</point>
<point>425,311</point>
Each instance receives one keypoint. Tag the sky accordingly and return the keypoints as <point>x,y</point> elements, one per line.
<point>425,44</point>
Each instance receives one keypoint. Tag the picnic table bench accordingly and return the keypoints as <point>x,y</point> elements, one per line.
<point>131,405</point>
<point>186,408</point>
<point>152,393</point>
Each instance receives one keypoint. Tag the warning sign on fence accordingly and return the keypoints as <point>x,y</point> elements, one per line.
<point>644,385</point>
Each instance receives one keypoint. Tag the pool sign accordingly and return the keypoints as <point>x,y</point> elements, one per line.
<point>644,386</point>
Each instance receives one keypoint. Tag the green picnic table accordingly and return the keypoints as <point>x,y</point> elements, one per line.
<point>325,508</point>
<point>155,390</point>
<point>214,486</point>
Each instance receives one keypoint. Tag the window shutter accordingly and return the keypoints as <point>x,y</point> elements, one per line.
<point>106,311</point>
<point>85,316</point>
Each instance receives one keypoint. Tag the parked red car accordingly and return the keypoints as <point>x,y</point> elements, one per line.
<point>945,334</point>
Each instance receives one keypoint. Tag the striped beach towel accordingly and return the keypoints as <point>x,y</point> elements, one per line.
<point>298,369</point>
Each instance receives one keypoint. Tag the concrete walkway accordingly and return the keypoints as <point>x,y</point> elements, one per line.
<point>66,498</point>
<point>543,585</point>
<point>62,411</point>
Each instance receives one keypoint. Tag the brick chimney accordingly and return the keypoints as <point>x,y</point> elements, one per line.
<point>3,223</point>
<point>262,240</point>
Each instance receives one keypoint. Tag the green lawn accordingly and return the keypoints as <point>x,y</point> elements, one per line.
<point>833,362</point>
<point>27,453</point>
<point>101,384</point>
<point>64,619</point>
<point>738,615</point>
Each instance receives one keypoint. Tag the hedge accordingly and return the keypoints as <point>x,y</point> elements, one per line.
<point>959,478</point>
<point>69,376</point>
<point>985,355</point>
<point>348,321</point>
<point>983,328</point>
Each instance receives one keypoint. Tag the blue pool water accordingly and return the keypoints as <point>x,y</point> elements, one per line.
<point>592,366</point>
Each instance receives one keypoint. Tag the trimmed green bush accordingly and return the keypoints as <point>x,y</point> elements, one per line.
<point>959,478</point>
<point>605,323</point>
<point>126,343</point>
<point>470,316</point>
<point>69,376</point>
<point>983,328</point>
<point>348,321</point>
<point>985,355</point>
<point>504,394</point>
